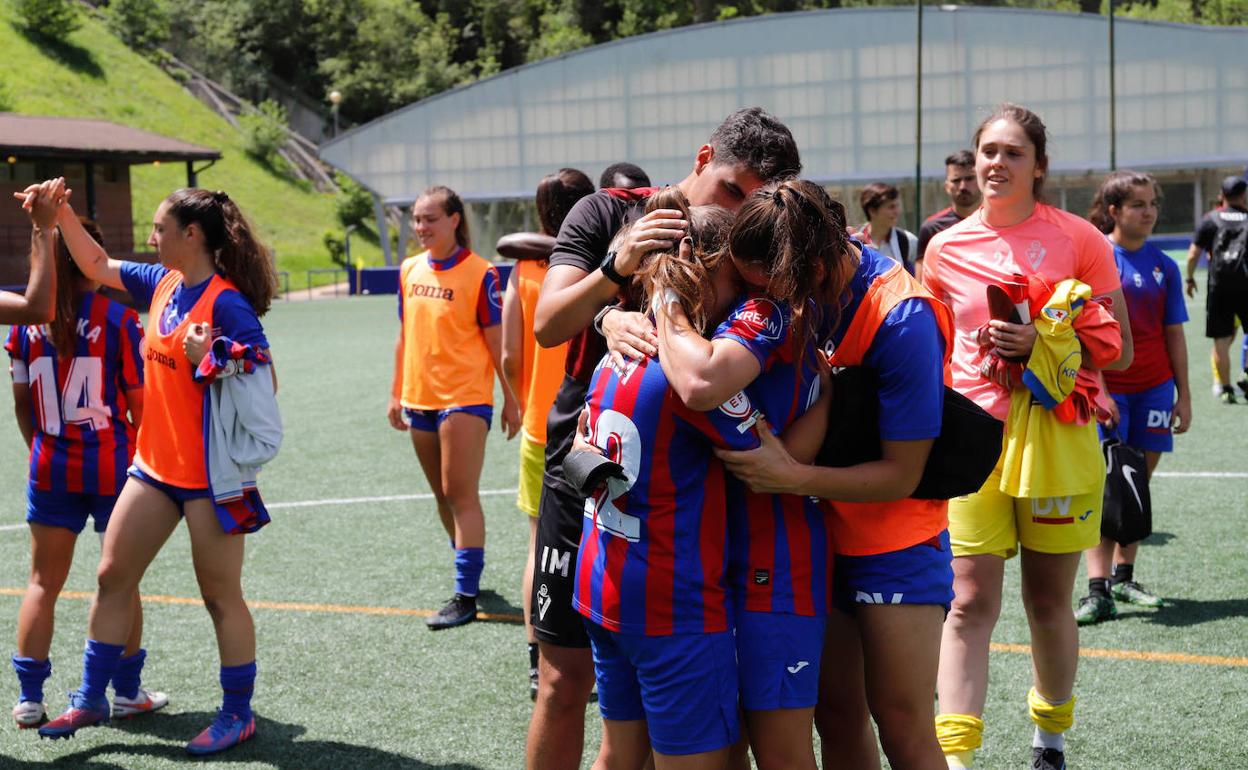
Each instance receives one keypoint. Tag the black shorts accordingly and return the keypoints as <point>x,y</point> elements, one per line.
<point>1221,308</point>
<point>560,512</point>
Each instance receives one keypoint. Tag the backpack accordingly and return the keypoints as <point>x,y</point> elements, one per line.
<point>1228,259</point>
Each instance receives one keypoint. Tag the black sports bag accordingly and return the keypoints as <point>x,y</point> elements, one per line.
<point>1127,516</point>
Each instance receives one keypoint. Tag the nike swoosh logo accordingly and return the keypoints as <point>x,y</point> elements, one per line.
<point>801,664</point>
<point>1129,474</point>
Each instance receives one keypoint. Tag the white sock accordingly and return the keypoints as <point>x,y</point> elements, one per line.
<point>1047,740</point>
<point>960,760</point>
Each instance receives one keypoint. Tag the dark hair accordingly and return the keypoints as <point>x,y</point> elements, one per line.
<point>690,279</point>
<point>875,195</point>
<point>63,327</point>
<point>1115,191</point>
<point>452,204</point>
<point>754,138</point>
<point>961,158</point>
<point>236,252</point>
<point>632,174</point>
<point>1032,126</point>
<point>555,195</point>
<point>796,232</point>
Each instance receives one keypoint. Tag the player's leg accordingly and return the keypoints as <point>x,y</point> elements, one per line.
<point>429,454</point>
<point>781,738</point>
<point>1098,605</point>
<point>1220,327</point>
<point>528,500</point>
<point>625,745</point>
<point>1047,582</point>
<point>847,740</point>
<point>625,735</point>
<point>218,561</point>
<point>462,438</point>
<point>51,553</point>
<point>778,661</point>
<point>556,736</point>
<point>142,521</point>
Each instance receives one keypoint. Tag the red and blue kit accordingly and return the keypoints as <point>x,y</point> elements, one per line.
<point>83,439</point>
<point>653,548</point>
<point>781,545</point>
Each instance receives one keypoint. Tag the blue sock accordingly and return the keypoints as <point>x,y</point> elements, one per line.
<point>126,680</point>
<point>237,683</point>
<point>99,663</point>
<point>31,674</point>
<point>468,565</point>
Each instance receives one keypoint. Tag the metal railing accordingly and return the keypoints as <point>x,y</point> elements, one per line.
<point>335,271</point>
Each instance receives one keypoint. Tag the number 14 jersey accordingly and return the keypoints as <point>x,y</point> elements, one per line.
<point>83,440</point>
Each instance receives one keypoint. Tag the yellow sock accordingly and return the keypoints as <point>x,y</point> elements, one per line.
<point>959,736</point>
<point>1048,716</point>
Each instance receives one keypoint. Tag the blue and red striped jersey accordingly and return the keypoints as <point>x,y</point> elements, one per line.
<point>83,439</point>
<point>780,546</point>
<point>654,547</point>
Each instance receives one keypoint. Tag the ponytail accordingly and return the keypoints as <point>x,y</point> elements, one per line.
<point>235,251</point>
<point>63,329</point>
<point>452,204</point>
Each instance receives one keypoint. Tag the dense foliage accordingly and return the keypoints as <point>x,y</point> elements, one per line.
<point>51,19</point>
<point>382,54</point>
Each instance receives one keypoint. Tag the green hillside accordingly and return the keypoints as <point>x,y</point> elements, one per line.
<point>93,74</point>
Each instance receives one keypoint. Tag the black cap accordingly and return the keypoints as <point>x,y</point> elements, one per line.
<point>1234,186</point>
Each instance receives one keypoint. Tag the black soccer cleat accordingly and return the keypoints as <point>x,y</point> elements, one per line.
<point>458,611</point>
<point>1047,759</point>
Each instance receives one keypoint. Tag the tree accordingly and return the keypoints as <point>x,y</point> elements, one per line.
<point>354,204</point>
<point>141,24</point>
<point>54,19</point>
<point>264,131</point>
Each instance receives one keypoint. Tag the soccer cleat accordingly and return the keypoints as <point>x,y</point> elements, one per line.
<point>145,703</point>
<point>225,732</point>
<point>29,713</point>
<point>1227,396</point>
<point>1132,592</point>
<point>458,611</point>
<point>1243,386</point>
<point>80,714</point>
<point>1047,759</point>
<point>1094,609</point>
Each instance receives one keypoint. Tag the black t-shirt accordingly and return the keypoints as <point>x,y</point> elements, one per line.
<point>1209,232</point>
<point>941,220</point>
<point>583,241</point>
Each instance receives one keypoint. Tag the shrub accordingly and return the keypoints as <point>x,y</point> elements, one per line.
<point>54,19</point>
<point>336,248</point>
<point>141,24</point>
<point>264,131</point>
<point>354,204</point>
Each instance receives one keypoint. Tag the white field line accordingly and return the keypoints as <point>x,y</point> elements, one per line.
<point>512,491</point>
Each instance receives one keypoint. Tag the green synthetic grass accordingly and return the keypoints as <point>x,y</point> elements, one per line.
<point>94,75</point>
<point>355,690</point>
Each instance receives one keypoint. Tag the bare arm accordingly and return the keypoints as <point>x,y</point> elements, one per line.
<point>513,334</point>
<point>134,404</point>
<point>90,256</point>
<point>509,420</point>
<point>394,409</point>
<point>1119,309</point>
<point>1176,349</point>
<point>704,373</point>
<point>36,305</point>
<point>1193,259</point>
<point>804,436</point>
<point>21,408</point>
<point>770,468</point>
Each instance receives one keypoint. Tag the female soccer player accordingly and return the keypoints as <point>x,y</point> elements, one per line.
<point>72,412</point>
<point>1013,233</point>
<point>535,372</point>
<point>1153,397</point>
<point>881,203</point>
<point>213,281</point>
<point>650,576</point>
<point>449,347</point>
<point>892,577</point>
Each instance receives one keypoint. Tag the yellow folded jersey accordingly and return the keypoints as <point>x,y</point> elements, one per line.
<point>1045,457</point>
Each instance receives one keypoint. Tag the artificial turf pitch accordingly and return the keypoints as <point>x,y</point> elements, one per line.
<point>349,677</point>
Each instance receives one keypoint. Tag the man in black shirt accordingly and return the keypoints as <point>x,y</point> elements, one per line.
<point>963,192</point>
<point>1223,233</point>
<point>747,150</point>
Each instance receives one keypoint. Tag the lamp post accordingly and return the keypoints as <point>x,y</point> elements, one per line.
<point>335,98</point>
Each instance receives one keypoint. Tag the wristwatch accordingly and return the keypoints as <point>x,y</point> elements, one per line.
<point>608,269</point>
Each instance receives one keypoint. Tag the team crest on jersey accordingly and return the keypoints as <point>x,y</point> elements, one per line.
<point>739,408</point>
<point>1056,313</point>
<point>1035,254</point>
<point>496,295</point>
<point>1158,275</point>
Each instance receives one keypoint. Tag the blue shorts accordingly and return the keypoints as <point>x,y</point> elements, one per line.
<point>428,420</point>
<point>920,574</point>
<point>778,659</point>
<point>684,686</point>
<point>178,495</point>
<point>1144,418</point>
<point>68,510</point>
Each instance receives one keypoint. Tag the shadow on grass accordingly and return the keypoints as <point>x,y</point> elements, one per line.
<point>496,604</point>
<point>1160,538</point>
<point>274,744</point>
<point>75,57</point>
<point>1181,613</point>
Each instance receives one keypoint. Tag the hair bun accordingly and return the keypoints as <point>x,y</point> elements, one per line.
<point>220,197</point>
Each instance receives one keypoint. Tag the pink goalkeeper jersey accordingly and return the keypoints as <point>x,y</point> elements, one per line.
<point>961,261</point>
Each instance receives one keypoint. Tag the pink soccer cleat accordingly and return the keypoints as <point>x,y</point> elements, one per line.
<point>80,714</point>
<point>226,731</point>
